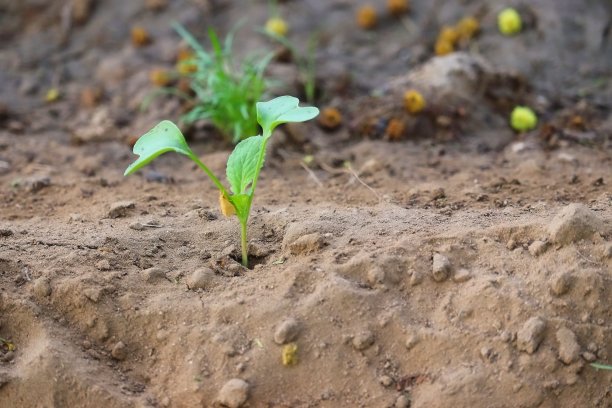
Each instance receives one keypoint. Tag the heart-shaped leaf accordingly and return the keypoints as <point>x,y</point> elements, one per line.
<point>163,138</point>
<point>242,164</point>
<point>283,109</point>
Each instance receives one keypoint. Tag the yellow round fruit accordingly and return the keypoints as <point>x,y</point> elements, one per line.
<point>509,22</point>
<point>523,119</point>
<point>277,26</point>
<point>414,102</point>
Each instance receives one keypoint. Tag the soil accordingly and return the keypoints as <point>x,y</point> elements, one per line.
<point>454,263</point>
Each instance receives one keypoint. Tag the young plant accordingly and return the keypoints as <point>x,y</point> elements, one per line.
<point>243,164</point>
<point>225,93</point>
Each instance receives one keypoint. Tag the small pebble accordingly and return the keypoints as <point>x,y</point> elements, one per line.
<point>119,351</point>
<point>385,381</point>
<point>154,274</point>
<point>103,265</point>
<point>573,223</point>
<point>41,288</point>
<point>375,276</point>
<point>537,248</point>
<point>416,278</point>
<point>287,331</point>
<point>307,244</point>
<point>531,335</point>
<point>402,402</point>
<point>569,349</point>
<point>203,278</point>
<point>511,244</point>
<point>234,393</point>
<point>462,275</point>
<point>120,209</point>
<point>441,268</point>
<point>363,340</point>
<point>589,357</point>
<point>561,284</point>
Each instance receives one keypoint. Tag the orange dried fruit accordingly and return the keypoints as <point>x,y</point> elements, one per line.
<point>330,118</point>
<point>414,102</point>
<point>140,36</point>
<point>395,129</point>
<point>159,77</point>
<point>90,96</point>
<point>397,7</point>
<point>367,18</point>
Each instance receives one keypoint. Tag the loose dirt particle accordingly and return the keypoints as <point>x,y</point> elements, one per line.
<point>234,393</point>
<point>120,209</point>
<point>573,223</point>
<point>569,349</point>
<point>385,381</point>
<point>531,335</point>
<point>537,248</point>
<point>287,331</point>
<point>441,268</point>
<point>203,278</point>
<point>402,402</point>
<point>376,276</point>
<point>81,10</point>
<point>119,351</point>
<point>363,340</point>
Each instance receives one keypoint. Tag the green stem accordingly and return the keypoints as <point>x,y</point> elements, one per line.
<point>262,155</point>
<point>244,242</point>
<point>210,174</point>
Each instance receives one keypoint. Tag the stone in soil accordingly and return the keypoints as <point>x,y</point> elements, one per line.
<point>287,331</point>
<point>203,278</point>
<point>441,268</point>
<point>462,275</point>
<point>119,351</point>
<point>573,223</point>
<point>531,335</point>
<point>154,274</point>
<point>561,284</point>
<point>569,349</point>
<point>363,340</point>
<point>120,209</point>
<point>234,393</point>
<point>41,288</point>
<point>307,244</point>
<point>537,248</point>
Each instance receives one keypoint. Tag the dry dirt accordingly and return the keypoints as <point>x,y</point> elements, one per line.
<point>460,266</point>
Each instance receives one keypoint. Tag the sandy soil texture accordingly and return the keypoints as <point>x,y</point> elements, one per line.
<point>442,261</point>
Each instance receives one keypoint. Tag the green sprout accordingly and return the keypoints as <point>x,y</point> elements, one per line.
<point>601,366</point>
<point>225,93</point>
<point>243,164</point>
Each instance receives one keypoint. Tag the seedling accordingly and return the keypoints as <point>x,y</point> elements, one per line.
<point>243,164</point>
<point>225,92</point>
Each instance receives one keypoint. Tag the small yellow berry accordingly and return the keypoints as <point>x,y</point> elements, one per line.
<point>467,28</point>
<point>414,102</point>
<point>509,21</point>
<point>449,34</point>
<point>367,17</point>
<point>397,7</point>
<point>227,208</point>
<point>289,354</point>
<point>444,47</point>
<point>523,119</point>
<point>52,95</point>
<point>330,118</point>
<point>277,26</point>
<point>140,36</point>
<point>159,77</point>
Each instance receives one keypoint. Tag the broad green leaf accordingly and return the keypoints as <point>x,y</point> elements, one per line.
<point>282,110</point>
<point>242,164</point>
<point>163,138</point>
